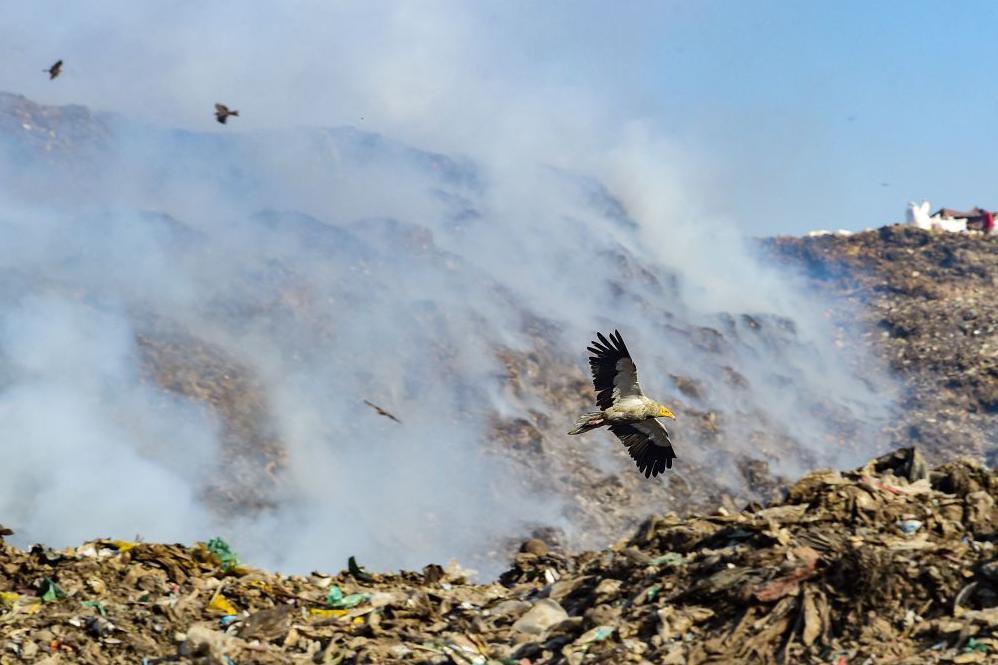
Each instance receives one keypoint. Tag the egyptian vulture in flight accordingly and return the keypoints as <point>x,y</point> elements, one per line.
<point>624,409</point>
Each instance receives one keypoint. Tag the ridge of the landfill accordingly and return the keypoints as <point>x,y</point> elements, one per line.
<point>894,562</point>
<point>891,562</point>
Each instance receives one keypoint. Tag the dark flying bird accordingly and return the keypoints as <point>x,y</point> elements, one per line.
<point>54,70</point>
<point>222,113</point>
<point>624,409</point>
<point>382,412</point>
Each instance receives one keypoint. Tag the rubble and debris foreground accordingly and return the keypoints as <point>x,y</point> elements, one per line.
<point>891,563</point>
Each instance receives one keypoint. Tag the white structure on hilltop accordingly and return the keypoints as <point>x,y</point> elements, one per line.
<point>918,215</point>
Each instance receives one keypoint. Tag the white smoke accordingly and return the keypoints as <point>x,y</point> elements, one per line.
<point>339,265</point>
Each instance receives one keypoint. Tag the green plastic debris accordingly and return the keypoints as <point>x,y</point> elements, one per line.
<point>975,645</point>
<point>50,591</point>
<point>653,591</point>
<point>351,601</point>
<point>227,559</point>
<point>335,600</point>
<point>97,605</point>
<point>357,570</point>
<point>668,559</point>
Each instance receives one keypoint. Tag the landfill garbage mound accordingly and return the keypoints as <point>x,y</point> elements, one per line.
<point>893,561</point>
<point>928,309</point>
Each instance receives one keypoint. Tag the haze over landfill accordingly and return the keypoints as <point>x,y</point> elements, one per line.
<point>351,320</point>
<point>303,256</point>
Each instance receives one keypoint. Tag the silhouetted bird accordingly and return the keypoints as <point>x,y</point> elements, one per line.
<point>382,412</point>
<point>222,113</point>
<point>54,70</point>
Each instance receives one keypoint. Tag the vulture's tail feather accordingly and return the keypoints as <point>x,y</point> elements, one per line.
<point>588,421</point>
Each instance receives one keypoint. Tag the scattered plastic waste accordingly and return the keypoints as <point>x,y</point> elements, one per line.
<point>597,634</point>
<point>122,545</point>
<point>827,575</point>
<point>337,601</point>
<point>228,620</point>
<point>50,591</point>
<point>667,559</point>
<point>357,570</point>
<point>220,605</point>
<point>98,626</point>
<point>96,604</point>
<point>321,613</point>
<point>227,559</point>
<point>973,644</point>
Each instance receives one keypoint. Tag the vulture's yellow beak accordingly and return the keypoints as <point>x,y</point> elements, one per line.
<point>663,412</point>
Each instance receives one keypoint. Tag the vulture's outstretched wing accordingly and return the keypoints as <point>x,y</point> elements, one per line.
<point>614,373</point>
<point>221,108</point>
<point>648,444</point>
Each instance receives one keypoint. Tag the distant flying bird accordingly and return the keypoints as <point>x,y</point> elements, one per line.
<point>382,412</point>
<point>624,409</point>
<point>54,70</point>
<point>222,113</point>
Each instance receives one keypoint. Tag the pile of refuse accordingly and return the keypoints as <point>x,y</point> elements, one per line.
<point>924,302</point>
<point>893,561</point>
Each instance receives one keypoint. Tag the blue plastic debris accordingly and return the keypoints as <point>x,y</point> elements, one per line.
<point>602,632</point>
<point>228,620</point>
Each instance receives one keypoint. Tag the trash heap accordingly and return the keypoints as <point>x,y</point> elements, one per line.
<point>891,561</point>
<point>925,304</point>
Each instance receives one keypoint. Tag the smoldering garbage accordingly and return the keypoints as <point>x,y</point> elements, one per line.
<point>928,309</point>
<point>826,575</point>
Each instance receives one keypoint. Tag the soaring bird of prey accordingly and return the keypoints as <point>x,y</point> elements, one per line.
<point>54,70</point>
<point>382,412</point>
<point>624,409</point>
<point>222,113</point>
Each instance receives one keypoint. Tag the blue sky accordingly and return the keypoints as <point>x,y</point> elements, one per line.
<point>796,115</point>
<point>834,114</point>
